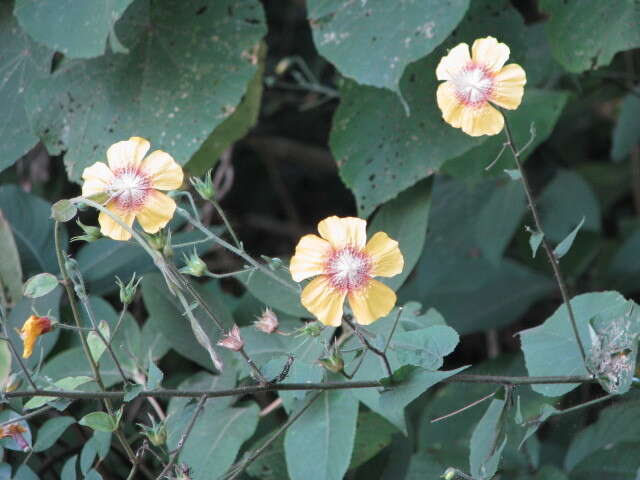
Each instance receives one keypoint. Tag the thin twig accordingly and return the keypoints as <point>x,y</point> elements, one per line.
<point>369,346</point>
<point>466,407</point>
<point>393,329</point>
<point>549,251</point>
<point>16,355</point>
<point>26,416</point>
<point>183,438</point>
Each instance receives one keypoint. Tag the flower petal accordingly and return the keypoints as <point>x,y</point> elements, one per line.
<point>342,232</point>
<point>110,228</point>
<point>509,86</point>
<point>371,302</point>
<point>385,255</point>
<point>312,253</point>
<point>449,104</point>
<point>163,170</point>
<point>490,53</point>
<point>96,179</point>
<point>483,120</point>
<point>156,212</point>
<point>324,301</point>
<point>453,62</point>
<point>128,153</point>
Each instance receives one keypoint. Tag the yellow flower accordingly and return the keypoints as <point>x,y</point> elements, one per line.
<point>344,267</point>
<point>132,182</point>
<point>31,330</point>
<point>474,82</point>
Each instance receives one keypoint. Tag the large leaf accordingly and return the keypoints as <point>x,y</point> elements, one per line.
<point>186,72</point>
<point>581,40</point>
<point>373,434</point>
<point>617,463</point>
<point>405,219</point>
<point>77,29</point>
<point>215,439</point>
<point>379,149</point>
<point>551,348</point>
<point>50,431</point>
<point>488,441</point>
<point>10,268</point>
<point>470,226</point>
<point>32,228</point>
<point>167,315</point>
<point>319,444</point>
<point>356,37</point>
<point>21,62</point>
<point>274,294</point>
<point>626,134</point>
<point>623,271</point>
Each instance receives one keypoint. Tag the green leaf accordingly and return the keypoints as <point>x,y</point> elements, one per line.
<point>581,41</point>
<point>356,39</point>
<point>158,91</point>
<point>24,472</point>
<point>69,469</point>
<point>154,376</point>
<point>132,391</point>
<point>215,439</point>
<point>626,133</point>
<point>615,425</point>
<point>87,456</point>
<point>563,247</point>
<point>536,239</point>
<point>533,424</point>
<point>405,219</point>
<point>470,226</point>
<point>5,363</point>
<point>72,362</point>
<point>32,229</point>
<point>67,383</point>
<point>623,271</point>
<point>487,442</point>
<point>96,345</point>
<point>550,473</point>
<point>75,29</point>
<point>324,433</point>
<point>166,315</point>
<point>10,268</point>
<point>426,347</point>
<point>619,463</point>
<point>48,304</point>
<point>50,431</point>
<point>40,285</point>
<point>271,465</point>
<point>408,383</point>
<point>551,348</point>
<point>63,210</point>
<point>22,61</point>
<point>373,434</point>
<point>234,127</point>
<point>407,149</point>
<point>273,294</point>
<point>99,421</point>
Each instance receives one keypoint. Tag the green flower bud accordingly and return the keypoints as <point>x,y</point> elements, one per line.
<point>128,291</point>
<point>449,474</point>
<point>193,265</point>
<point>205,186</point>
<point>311,329</point>
<point>91,234</point>
<point>334,362</point>
<point>156,432</point>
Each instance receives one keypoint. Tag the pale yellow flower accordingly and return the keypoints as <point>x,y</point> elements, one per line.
<point>31,330</point>
<point>474,82</point>
<point>344,264</point>
<point>131,182</point>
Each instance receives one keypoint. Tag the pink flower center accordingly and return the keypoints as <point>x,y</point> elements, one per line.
<point>474,85</point>
<point>348,269</point>
<point>129,188</point>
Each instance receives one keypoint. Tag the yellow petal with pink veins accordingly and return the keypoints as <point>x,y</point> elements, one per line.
<point>385,255</point>
<point>449,66</point>
<point>449,104</point>
<point>162,169</point>
<point>509,86</point>
<point>343,232</point>
<point>128,153</point>
<point>156,212</point>
<point>490,53</point>
<point>484,120</point>
<point>312,253</point>
<point>325,302</point>
<point>371,302</point>
<point>96,179</point>
<point>112,229</point>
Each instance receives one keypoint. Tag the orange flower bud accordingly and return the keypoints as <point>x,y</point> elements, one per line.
<point>31,330</point>
<point>15,431</point>
<point>232,340</point>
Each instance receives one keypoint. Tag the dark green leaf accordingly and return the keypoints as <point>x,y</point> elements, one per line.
<point>626,133</point>
<point>425,348</point>
<point>63,210</point>
<point>85,106</point>
<point>373,433</point>
<point>618,463</point>
<point>563,247</point>
<point>50,431</point>
<point>580,40</point>
<point>373,54</point>
<point>324,433</point>
<point>273,294</point>
<point>22,61</point>
<point>40,285</point>
<point>66,383</point>
<point>76,29</point>
<point>405,219</point>
<point>24,472</point>
<point>154,376</point>
<point>424,465</point>
<point>10,268</point>
<point>487,442</point>
<point>69,469</point>
<point>271,465</point>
